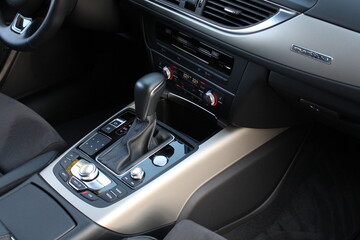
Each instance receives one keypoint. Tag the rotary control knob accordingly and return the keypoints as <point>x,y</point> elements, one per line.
<point>210,98</point>
<point>137,173</point>
<point>88,172</point>
<point>168,72</point>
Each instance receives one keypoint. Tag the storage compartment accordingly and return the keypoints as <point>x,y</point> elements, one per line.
<point>30,213</point>
<point>334,104</point>
<point>187,118</point>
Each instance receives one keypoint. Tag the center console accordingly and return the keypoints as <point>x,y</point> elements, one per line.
<point>86,197</point>
<point>82,173</point>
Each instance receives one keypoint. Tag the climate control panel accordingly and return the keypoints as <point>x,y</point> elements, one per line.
<point>194,87</point>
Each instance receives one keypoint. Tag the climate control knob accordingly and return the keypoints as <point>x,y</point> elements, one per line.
<point>168,72</point>
<point>210,98</point>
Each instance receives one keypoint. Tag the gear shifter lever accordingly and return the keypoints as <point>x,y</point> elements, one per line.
<point>148,90</point>
<point>140,138</point>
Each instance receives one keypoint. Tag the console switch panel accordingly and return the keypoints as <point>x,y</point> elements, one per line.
<point>95,144</point>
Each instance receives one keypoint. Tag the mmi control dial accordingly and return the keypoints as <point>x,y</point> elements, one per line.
<point>210,98</point>
<point>88,172</point>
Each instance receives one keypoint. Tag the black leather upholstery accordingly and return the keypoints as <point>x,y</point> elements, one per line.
<point>27,142</point>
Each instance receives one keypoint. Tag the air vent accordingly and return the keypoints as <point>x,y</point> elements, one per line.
<point>177,2</point>
<point>239,13</point>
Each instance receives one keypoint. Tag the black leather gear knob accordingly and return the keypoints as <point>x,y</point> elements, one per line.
<point>148,90</point>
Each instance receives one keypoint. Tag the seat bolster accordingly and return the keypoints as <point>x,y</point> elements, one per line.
<point>23,135</point>
<point>18,175</point>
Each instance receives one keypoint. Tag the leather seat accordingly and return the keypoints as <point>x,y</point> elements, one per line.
<point>27,143</point>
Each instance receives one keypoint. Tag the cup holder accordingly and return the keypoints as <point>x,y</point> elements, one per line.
<point>187,118</point>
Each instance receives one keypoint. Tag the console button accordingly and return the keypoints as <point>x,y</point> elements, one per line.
<point>120,192</point>
<point>160,161</point>
<point>72,156</point>
<point>108,196</point>
<point>77,184</point>
<point>94,144</point>
<point>64,175</point>
<point>117,122</point>
<point>127,179</point>
<point>65,162</point>
<point>123,130</point>
<point>89,195</point>
<point>108,128</point>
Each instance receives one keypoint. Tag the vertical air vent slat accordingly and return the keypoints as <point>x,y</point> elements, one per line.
<point>177,2</point>
<point>229,3</point>
<point>255,5</point>
<point>239,13</point>
<point>220,10</point>
<point>226,21</point>
<point>245,8</point>
<point>217,12</point>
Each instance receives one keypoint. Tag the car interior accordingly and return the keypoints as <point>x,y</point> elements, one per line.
<point>179,119</point>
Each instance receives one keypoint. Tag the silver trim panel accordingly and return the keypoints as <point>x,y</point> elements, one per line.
<point>161,200</point>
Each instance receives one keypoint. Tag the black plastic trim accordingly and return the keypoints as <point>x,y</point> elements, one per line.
<point>244,186</point>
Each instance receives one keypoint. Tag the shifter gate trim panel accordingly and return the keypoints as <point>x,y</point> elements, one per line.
<point>160,201</point>
<point>140,160</point>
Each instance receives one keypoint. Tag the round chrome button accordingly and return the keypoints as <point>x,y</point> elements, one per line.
<point>137,173</point>
<point>88,172</point>
<point>160,161</point>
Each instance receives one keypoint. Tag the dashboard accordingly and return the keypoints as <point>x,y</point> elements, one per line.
<point>303,52</point>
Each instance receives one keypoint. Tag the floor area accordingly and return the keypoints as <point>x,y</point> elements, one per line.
<point>320,199</point>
